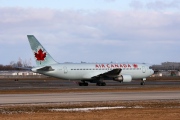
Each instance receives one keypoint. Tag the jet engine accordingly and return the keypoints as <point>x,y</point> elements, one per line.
<point>123,78</point>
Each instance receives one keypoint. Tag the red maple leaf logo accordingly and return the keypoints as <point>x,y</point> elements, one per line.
<point>135,65</point>
<point>40,55</point>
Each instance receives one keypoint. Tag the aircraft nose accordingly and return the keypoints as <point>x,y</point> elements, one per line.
<point>152,71</point>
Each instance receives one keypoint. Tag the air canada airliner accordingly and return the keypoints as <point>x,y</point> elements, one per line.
<point>86,73</point>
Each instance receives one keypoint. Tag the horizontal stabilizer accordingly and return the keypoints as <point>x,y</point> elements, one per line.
<point>24,68</point>
<point>46,68</point>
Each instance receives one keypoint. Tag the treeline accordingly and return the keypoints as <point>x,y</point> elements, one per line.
<point>7,67</point>
<point>16,65</point>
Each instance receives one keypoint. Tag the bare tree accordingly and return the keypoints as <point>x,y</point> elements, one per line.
<point>19,63</point>
<point>16,65</point>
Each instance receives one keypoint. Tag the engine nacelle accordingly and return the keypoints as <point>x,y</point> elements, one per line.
<point>123,78</point>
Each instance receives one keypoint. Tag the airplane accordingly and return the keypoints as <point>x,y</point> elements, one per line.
<point>86,72</point>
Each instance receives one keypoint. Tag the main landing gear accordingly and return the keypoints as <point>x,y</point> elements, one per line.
<point>83,83</point>
<point>101,84</point>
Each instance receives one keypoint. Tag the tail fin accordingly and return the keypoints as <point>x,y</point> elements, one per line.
<point>42,57</point>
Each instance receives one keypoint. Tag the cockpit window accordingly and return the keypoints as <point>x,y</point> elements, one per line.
<point>150,67</point>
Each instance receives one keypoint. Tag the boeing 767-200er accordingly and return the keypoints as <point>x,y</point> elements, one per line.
<point>86,72</point>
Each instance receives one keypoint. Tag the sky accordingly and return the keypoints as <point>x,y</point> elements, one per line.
<point>143,31</point>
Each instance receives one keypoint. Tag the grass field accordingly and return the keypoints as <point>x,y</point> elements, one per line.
<point>137,110</point>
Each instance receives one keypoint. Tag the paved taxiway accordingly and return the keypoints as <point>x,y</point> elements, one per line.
<point>87,97</point>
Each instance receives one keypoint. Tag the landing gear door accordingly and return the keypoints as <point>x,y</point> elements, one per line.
<point>143,69</point>
<point>65,70</point>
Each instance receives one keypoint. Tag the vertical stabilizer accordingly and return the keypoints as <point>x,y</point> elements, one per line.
<point>42,57</point>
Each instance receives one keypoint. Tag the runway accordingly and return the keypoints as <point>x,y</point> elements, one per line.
<point>87,97</point>
<point>66,84</point>
<point>71,96</point>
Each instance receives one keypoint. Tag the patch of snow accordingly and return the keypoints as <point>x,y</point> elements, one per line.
<point>91,109</point>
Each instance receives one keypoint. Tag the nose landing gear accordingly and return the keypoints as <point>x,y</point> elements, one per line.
<point>143,81</point>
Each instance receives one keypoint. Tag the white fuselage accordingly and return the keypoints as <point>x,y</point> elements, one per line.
<point>85,71</point>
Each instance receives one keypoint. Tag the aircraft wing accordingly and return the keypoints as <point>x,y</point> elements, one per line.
<point>112,73</point>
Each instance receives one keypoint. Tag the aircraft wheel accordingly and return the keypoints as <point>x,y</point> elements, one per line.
<point>97,84</point>
<point>101,84</point>
<point>143,83</point>
<point>85,84</point>
<point>80,84</point>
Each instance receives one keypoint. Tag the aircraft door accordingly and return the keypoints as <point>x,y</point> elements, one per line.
<point>65,70</point>
<point>143,69</point>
